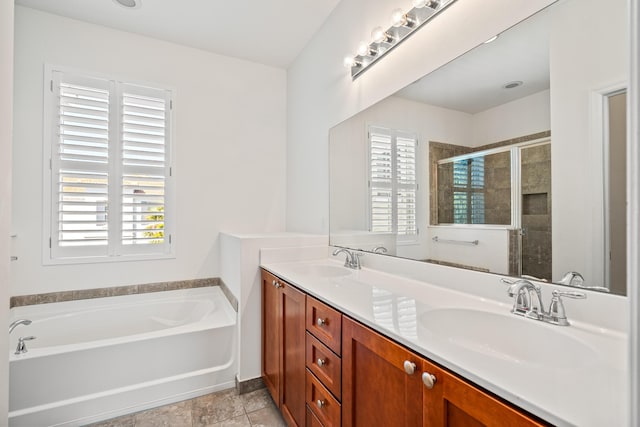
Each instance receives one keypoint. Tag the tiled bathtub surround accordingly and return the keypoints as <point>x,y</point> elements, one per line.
<point>22,300</point>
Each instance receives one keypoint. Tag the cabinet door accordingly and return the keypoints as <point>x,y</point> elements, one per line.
<point>292,350</point>
<point>271,335</point>
<point>464,405</point>
<point>376,389</point>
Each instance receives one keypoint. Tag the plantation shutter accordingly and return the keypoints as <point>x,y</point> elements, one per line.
<point>80,165</point>
<point>392,181</point>
<point>381,182</point>
<point>144,128</point>
<point>407,185</point>
<point>110,167</point>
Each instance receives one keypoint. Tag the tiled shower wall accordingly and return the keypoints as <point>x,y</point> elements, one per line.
<point>532,253</point>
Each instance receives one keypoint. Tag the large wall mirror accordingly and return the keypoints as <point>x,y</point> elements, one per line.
<point>508,160</point>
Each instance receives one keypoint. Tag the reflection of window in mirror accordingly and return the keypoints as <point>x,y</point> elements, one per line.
<point>393,183</point>
<point>475,189</point>
<point>468,191</point>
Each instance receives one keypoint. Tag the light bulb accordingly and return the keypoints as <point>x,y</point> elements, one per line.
<point>378,35</point>
<point>433,4</point>
<point>349,61</point>
<point>398,18</point>
<point>418,4</point>
<point>363,49</point>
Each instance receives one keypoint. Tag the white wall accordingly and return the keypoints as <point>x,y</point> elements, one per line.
<point>321,94</point>
<point>581,62</point>
<point>242,274</point>
<point>524,116</point>
<point>230,146</point>
<point>6,112</point>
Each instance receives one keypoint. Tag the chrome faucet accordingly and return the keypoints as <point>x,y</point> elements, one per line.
<point>572,278</point>
<point>575,279</point>
<point>522,291</point>
<point>528,302</point>
<point>352,259</point>
<point>18,322</point>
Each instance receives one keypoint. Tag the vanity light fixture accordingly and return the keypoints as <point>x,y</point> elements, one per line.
<point>403,24</point>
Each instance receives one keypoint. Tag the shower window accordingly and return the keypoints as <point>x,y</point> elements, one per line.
<point>476,188</point>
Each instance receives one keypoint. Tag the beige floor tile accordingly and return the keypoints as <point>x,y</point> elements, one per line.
<point>216,407</point>
<point>266,417</point>
<point>256,400</point>
<point>176,415</point>
<point>125,421</point>
<point>241,421</point>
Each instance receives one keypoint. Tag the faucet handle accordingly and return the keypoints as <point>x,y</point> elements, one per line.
<point>557,314</point>
<point>22,347</point>
<point>569,294</point>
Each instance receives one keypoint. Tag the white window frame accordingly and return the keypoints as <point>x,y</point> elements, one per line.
<point>115,251</point>
<point>395,186</point>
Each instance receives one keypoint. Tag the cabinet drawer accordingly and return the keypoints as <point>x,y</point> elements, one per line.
<point>325,323</point>
<point>324,364</point>
<point>312,420</point>
<point>322,403</point>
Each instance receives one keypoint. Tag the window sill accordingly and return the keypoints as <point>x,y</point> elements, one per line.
<point>106,259</point>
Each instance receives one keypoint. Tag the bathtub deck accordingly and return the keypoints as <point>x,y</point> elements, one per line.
<point>217,409</point>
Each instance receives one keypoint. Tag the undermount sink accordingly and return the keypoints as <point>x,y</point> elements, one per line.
<point>321,270</point>
<point>508,337</point>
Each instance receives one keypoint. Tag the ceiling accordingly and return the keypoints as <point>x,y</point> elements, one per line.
<point>474,81</point>
<point>268,32</point>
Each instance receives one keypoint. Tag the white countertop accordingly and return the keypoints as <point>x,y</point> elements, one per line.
<point>583,385</point>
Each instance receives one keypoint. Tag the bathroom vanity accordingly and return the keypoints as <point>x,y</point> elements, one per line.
<point>364,347</point>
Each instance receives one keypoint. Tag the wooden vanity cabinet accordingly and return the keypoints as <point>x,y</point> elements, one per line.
<point>351,375</point>
<point>382,385</point>
<point>376,391</point>
<point>283,346</point>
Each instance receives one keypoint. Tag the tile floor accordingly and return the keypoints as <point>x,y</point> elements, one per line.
<point>222,409</point>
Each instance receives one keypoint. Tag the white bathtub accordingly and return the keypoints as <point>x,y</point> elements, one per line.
<point>100,358</point>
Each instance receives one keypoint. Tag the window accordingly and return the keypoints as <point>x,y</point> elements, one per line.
<point>392,182</point>
<point>468,191</point>
<point>108,152</point>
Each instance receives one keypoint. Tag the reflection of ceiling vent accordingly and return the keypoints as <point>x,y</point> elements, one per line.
<point>131,4</point>
<point>512,85</point>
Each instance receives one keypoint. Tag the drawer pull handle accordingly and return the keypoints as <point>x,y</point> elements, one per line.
<point>429,380</point>
<point>409,367</point>
<point>322,362</point>
<point>321,321</point>
<point>320,403</point>
<point>277,284</point>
